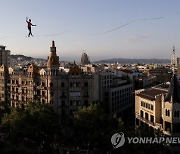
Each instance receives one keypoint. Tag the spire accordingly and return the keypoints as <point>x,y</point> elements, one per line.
<point>173,63</point>
<point>174,88</point>
<point>53,44</point>
<point>53,48</point>
<point>173,91</point>
<point>53,59</point>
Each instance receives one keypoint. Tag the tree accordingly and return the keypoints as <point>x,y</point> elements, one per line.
<point>93,128</point>
<point>147,132</point>
<point>34,129</point>
<point>4,108</point>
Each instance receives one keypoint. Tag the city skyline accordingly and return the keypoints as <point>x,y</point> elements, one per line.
<point>104,29</point>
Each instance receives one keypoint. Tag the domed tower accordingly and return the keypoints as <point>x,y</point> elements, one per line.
<point>85,59</point>
<point>53,78</point>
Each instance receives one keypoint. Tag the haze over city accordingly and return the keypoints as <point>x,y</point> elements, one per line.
<point>103,28</point>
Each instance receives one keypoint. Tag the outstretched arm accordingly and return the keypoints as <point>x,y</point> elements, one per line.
<point>27,19</point>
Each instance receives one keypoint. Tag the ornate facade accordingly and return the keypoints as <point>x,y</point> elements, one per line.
<point>64,91</point>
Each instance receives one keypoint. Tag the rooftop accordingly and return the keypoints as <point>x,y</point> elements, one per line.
<point>151,93</point>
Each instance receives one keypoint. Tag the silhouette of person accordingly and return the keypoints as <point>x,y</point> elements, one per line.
<point>29,26</point>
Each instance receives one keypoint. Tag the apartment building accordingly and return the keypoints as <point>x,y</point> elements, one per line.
<point>64,91</point>
<point>159,107</point>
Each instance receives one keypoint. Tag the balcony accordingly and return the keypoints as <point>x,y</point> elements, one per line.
<point>145,120</point>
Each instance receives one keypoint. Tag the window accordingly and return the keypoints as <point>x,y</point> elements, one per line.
<point>30,83</point>
<point>51,84</point>
<point>23,98</point>
<point>43,93</point>
<point>71,102</point>
<point>152,118</point>
<point>77,102</point>
<point>77,84</point>
<point>37,83</point>
<point>146,116</point>
<point>152,107</point>
<point>43,84</point>
<point>142,114</point>
<point>63,95</point>
<point>176,113</point>
<point>74,84</point>
<point>63,112</point>
<point>63,103</point>
<point>85,93</point>
<point>167,112</point>
<point>62,84</point>
<point>74,102</point>
<point>38,92</point>
<point>75,93</point>
<point>85,84</point>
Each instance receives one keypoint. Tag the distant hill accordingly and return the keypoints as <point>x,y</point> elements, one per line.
<point>22,57</point>
<point>134,61</point>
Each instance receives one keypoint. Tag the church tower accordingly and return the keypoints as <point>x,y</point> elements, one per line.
<point>53,59</point>
<point>53,77</point>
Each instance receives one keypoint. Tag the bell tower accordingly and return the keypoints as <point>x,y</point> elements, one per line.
<point>53,77</point>
<point>53,59</point>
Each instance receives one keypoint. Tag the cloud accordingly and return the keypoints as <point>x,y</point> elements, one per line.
<point>135,38</point>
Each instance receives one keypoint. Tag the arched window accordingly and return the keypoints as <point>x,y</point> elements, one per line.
<point>167,112</point>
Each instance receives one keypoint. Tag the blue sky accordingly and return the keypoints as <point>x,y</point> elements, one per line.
<point>84,23</point>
